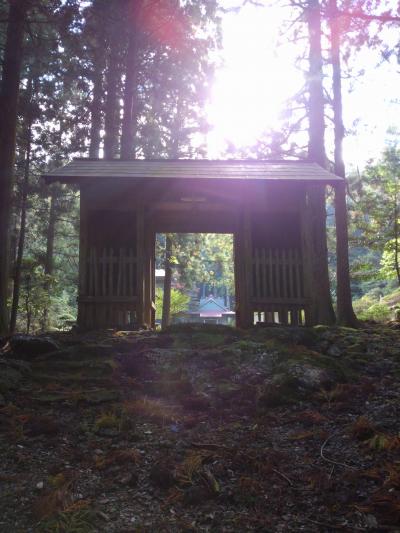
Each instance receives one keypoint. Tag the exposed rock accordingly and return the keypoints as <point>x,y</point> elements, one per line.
<point>10,377</point>
<point>334,350</point>
<point>293,335</point>
<point>136,365</point>
<point>294,383</point>
<point>309,377</point>
<point>29,346</point>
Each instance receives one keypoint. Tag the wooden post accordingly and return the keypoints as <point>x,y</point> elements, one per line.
<point>140,257</point>
<point>83,258</point>
<point>243,271</point>
<point>307,255</point>
<point>149,245</point>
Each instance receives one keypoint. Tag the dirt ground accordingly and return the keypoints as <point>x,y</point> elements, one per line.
<point>201,429</point>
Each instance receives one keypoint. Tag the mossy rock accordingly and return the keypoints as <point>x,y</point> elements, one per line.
<point>291,335</point>
<point>356,348</point>
<point>248,346</point>
<point>31,346</point>
<point>306,377</point>
<point>210,329</point>
<point>10,379</point>
<point>282,391</point>
<point>202,336</point>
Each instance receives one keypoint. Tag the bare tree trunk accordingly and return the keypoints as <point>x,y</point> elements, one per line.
<point>316,141</point>
<point>396,239</point>
<point>173,152</point>
<point>129,122</point>
<point>166,310</point>
<point>21,239</point>
<point>322,301</point>
<point>49,259</point>
<point>12,61</point>
<point>28,305</point>
<point>344,313</point>
<point>111,118</point>
<point>97,103</point>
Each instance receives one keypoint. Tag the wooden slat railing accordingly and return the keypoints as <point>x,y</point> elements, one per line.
<point>277,275</point>
<point>278,287</point>
<point>111,275</point>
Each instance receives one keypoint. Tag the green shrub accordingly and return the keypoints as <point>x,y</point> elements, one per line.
<point>377,312</point>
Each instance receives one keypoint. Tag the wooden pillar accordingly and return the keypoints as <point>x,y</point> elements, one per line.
<point>148,267</point>
<point>82,319</point>
<point>243,271</point>
<point>307,253</point>
<point>140,270</point>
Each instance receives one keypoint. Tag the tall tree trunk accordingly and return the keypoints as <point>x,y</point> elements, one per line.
<point>166,310</point>
<point>396,239</point>
<point>21,239</point>
<point>173,153</point>
<point>49,259</point>
<point>97,102</point>
<point>316,140</point>
<point>344,313</point>
<point>322,301</point>
<point>129,121</point>
<point>12,62</point>
<point>111,118</point>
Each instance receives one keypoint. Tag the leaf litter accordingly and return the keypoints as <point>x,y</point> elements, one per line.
<point>204,429</point>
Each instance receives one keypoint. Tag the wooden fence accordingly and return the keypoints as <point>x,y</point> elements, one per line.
<point>110,274</point>
<point>278,293</point>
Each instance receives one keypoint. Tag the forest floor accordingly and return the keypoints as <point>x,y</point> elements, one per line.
<point>201,429</point>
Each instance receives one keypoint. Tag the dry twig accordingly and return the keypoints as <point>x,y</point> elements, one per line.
<point>331,460</point>
<point>283,476</point>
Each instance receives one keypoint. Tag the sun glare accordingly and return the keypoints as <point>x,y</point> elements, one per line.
<point>257,77</point>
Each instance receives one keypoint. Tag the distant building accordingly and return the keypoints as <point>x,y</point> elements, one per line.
<point>211,310</point>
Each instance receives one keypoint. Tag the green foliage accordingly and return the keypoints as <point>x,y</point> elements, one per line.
<point>370,307</point>
<point>374,219</point>
<point>390,259</point>
<point>179,302</point>
<point>378,312</point>
<point>201,258</point>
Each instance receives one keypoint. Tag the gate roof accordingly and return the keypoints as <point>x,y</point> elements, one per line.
<point>80,169</point>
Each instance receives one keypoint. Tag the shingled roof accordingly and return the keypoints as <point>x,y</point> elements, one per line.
<point>81,169</point>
